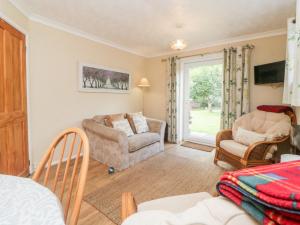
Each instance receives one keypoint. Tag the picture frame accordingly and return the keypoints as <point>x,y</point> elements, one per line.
<point>97,78</point>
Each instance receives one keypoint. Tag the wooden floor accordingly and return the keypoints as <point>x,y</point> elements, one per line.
<point>98,176</point>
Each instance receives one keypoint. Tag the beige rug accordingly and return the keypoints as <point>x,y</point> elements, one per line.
<point>197,146</point>
<point>165,174</point>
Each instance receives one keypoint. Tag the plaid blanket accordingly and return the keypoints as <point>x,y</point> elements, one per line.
<point>271,194</point>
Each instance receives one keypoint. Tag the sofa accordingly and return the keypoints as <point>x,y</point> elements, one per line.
<point>114,148</point>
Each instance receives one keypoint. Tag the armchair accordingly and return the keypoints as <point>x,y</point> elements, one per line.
<point>275,126</point>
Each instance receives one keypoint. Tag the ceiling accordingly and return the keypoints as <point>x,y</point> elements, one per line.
<point>147,27</point>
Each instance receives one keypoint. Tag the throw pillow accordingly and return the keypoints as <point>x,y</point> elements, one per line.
<point>247,137</point>
<point>108,120</point>
<point>130,120</point>
<point>123,125</point>
<point>140,124</point>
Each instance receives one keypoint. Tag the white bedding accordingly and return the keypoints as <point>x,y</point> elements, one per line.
<point>212,211</point>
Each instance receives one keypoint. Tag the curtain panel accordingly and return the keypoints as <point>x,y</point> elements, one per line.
<point>291,90</point>
<point>235,102</point>
<point>172,92</point>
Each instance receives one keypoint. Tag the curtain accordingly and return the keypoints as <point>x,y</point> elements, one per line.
<point>291,91</point>
<point>236,74</point>
<point>172,100</point>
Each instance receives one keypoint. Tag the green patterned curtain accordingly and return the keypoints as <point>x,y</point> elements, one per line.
<point>172,100</point>
<point>236,74</point>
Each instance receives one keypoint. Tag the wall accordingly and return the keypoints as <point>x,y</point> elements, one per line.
<point>53,97</point>
<point>56,102</point>
<point>12,15</point>
<point>266,50</point>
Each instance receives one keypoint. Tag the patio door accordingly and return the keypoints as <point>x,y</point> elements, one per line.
<point>202,94</point>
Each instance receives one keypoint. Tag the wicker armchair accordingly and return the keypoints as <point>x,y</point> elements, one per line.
<point>259,153</point>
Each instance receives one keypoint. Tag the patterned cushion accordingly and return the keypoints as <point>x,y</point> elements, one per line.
<point>140,123</point>
<point>124,126</point>
<point>247,137</point>
<point>130,120</point>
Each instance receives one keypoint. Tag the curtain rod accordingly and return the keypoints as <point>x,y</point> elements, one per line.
<point>205,53</point>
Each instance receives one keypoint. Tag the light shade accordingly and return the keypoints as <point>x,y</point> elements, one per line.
<point>178,44</point>
<point>144,82</point>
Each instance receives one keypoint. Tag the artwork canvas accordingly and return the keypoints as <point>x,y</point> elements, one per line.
<point>103,79</point>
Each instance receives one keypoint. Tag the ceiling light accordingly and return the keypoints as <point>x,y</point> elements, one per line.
<point>178,44</point>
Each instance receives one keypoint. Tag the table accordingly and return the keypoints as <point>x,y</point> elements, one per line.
<point>25,202</point>
<point>289,157</point>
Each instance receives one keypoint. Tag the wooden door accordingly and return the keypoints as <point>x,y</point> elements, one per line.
<point>13,113</point>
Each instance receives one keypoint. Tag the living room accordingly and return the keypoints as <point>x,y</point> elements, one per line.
<point>87,66</point>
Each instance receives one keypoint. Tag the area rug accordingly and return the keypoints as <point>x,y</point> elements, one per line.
<point>163,175</point>
<point>197,146</point>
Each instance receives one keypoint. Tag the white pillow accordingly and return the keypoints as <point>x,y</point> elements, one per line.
<point>123,125</point>
<point>140,123</point>
<point>247,137</point>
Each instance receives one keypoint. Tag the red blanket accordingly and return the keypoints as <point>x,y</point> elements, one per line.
<point>269,193</point>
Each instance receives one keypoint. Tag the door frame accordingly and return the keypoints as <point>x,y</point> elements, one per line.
<point>183,85</point>
<point>11,22</point>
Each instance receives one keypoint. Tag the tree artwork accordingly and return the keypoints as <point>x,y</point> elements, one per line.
<point>97,78</point>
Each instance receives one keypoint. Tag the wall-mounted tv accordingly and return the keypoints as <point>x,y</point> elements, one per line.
<point>269,73</point>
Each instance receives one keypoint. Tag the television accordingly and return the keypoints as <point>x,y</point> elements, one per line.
<point>271,73</point>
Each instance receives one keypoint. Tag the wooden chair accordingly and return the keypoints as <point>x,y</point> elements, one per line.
<point>61,183</point>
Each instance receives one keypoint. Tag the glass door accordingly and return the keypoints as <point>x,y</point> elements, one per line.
<point>202,93</point>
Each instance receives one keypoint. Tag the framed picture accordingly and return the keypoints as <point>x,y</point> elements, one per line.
<point>103,79</point>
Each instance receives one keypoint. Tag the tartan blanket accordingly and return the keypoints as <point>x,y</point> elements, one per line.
<point>270,194</point>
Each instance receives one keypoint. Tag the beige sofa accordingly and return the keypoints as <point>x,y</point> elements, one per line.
<point>113,148</point>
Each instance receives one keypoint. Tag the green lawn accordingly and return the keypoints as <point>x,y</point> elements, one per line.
<point>204,121</point>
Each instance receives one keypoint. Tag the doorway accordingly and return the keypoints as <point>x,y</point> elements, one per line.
<point>202,96</point>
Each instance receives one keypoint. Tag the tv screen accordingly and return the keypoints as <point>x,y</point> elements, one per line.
<point>269,73</point>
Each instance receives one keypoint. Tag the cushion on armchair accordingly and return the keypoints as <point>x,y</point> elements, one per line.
<point>234,147</point>
<point>273,125</point>
<point>247,137</point>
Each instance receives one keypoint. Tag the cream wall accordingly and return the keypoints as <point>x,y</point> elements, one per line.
<point>54,102</point>
<point>266,50</point>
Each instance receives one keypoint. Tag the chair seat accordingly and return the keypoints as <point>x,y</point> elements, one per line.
<point>142,140</point>
<point>174,204</point>
<point>234,147</point>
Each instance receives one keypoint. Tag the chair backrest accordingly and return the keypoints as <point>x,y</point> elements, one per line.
<point>67,155</point>
<point>277,124</point>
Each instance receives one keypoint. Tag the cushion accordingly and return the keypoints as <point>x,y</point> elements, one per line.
<point>275,108</point>
<point>234,147</point>
<point>174,204</point>
<point>142,140</point>
<point>108,119</point>
<point>247,137</point>
<point>273,125</point>
<point>130,120</point>
<point>139,122</point>
<point>209,211</point>
<point>124,126</point>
